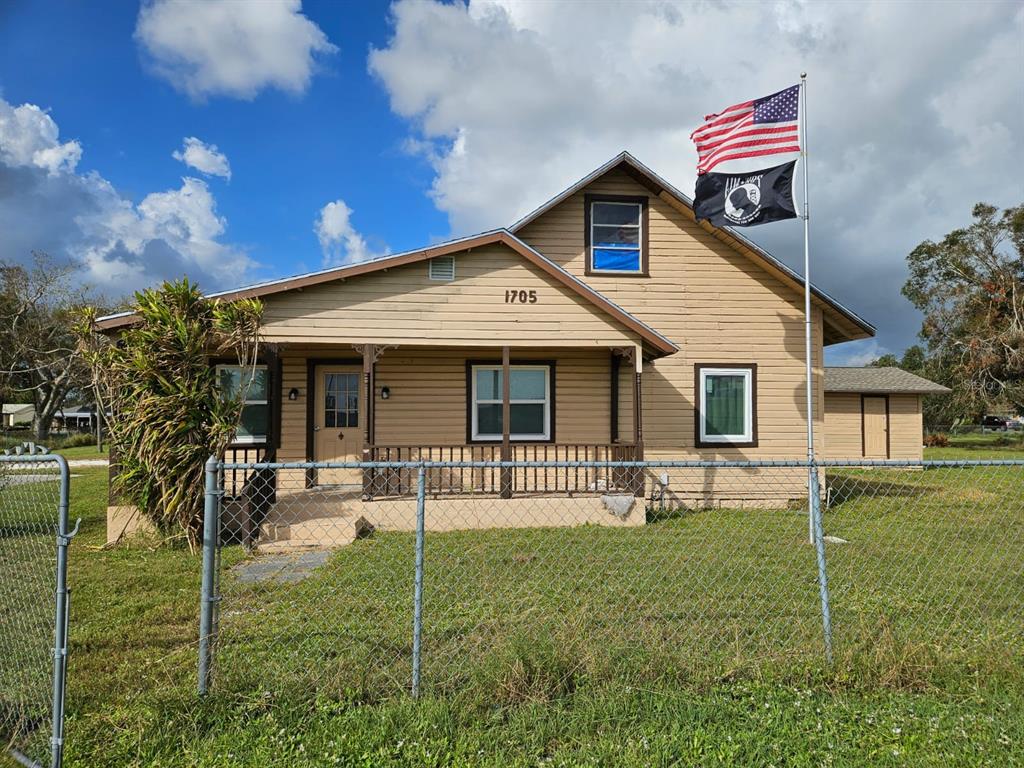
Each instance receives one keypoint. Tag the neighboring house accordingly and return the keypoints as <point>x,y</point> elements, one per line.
<point>875,413</point>
<point>80,418</point>
<point>628,331</point>
<point>17,414</point>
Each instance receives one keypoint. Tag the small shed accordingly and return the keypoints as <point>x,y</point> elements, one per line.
<point>15,414</point>
<point>875,413</point>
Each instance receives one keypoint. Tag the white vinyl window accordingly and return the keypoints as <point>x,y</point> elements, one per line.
<point>726,409</point>
<point>616,237</point>
<point>529,401</point>
<point>235,380</point>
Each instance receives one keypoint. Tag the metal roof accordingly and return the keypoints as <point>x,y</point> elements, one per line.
<point>881,380</point>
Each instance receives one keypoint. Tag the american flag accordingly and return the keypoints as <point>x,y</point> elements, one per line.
<point>766,126</point>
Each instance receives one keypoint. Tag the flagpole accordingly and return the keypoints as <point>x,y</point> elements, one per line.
<point>808,331</point>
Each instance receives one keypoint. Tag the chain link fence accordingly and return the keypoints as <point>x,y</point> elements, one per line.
<point>530,579</point>
<point>33,606</point>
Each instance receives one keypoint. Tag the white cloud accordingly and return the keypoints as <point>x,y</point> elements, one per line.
<point>512,100</point>
<point>339,240</point>
<point>29,137</point>
<point>226,48</point>
<point>45,205</point>
<point>205,158</point>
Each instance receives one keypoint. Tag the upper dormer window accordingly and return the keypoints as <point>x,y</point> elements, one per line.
<point>616,235</point>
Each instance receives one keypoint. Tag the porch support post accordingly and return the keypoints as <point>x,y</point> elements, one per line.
<point>638,419</point>
<point>613,427</point>
<point>369,388</point>
<point>506,422</point>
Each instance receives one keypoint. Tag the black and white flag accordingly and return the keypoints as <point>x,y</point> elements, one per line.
<point>746,199</point>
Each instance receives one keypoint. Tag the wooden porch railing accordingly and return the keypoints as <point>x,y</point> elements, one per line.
<point>494,480</point>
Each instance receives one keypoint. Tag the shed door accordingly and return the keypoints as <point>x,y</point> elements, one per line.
<point>876,428</point>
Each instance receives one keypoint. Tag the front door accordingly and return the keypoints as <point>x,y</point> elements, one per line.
<point>876,428</point>
<point>338,426</point>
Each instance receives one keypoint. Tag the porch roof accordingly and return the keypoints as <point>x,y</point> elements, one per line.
<point>657,344</point>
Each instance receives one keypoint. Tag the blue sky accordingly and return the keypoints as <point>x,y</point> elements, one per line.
<point>289,153</point>
<point>356,128</point>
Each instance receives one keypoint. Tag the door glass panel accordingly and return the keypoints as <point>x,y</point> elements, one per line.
<point>341,400</point>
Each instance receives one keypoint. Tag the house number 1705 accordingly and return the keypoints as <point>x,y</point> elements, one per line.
<point>520,296</point>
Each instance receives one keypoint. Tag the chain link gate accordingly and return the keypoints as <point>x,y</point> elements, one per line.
<point>34,539</point>
<point>438,577</point>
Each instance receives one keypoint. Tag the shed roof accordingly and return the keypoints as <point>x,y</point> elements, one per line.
<point>881,380</point>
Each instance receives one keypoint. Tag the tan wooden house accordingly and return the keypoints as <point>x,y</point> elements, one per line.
<point>875,413</point>
<point>606,324</point>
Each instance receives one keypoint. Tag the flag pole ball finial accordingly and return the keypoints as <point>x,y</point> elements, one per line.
<point>803,75</point>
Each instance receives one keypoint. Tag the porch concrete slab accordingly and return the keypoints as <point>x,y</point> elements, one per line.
<point>280,568</point>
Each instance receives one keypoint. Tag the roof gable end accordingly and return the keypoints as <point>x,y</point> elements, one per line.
<point>846,324</point>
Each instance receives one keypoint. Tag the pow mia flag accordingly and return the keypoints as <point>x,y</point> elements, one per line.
<point>746,199</point>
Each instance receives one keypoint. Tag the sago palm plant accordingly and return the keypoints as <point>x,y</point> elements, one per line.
<point>167,412</point>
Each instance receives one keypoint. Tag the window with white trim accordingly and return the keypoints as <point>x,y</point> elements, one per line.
<point>725,412</point>
<point>616,236</point>
<point>251,383</point>
<point>529,402</point>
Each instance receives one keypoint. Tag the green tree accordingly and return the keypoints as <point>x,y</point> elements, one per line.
<point>167,412</point>
<point>38,364</point>
<point>970,288</point>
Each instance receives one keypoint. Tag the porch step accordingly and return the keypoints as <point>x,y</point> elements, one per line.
<point>302,521</point>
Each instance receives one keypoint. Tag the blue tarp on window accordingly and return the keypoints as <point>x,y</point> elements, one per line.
<point>617,260</point>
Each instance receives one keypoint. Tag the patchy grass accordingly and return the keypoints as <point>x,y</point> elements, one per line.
<point>83,452</point>
<point>978,445</point>
<point>513,678</point>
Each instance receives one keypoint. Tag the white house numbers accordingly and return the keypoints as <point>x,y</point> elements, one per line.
<point>520,296</point>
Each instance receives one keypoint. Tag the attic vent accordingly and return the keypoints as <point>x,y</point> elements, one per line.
<point>442,268</point>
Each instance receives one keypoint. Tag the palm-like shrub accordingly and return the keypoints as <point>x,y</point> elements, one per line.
<point>167,413</point>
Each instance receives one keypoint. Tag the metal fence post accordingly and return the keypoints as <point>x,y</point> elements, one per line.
<point>819,547</point>
<point>417,600</point>
<point>60,633</point>
<point>211,523</point>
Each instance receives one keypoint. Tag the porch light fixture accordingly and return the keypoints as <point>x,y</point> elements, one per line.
<point>385,393</point>
<point>293,393</point>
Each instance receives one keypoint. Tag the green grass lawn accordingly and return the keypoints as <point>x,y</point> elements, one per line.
<point>82,452</point>
<point>691,641</point>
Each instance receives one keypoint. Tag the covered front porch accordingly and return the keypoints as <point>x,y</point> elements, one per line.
<point>411,403</point>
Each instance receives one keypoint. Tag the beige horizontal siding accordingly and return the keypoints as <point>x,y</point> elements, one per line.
<point>717,305</point>
<point>403,306</point>
<point>906,427</point>
<point>427,403</point>
<point>843,426</point>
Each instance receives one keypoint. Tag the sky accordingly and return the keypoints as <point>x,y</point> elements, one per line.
<point>241,141</point>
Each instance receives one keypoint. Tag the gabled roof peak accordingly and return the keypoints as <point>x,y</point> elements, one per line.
<point>661,188</point>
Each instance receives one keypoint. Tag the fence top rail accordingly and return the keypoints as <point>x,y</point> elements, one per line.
<point>34,458</point>
<point>652,464</point>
